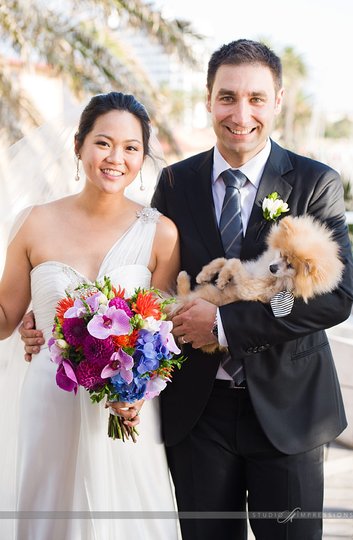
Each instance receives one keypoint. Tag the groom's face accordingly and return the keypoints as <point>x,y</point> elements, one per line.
<point>243,104</point>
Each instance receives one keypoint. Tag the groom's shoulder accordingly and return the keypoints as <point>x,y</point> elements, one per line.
<point>305,163</point>
<point>192,163</point>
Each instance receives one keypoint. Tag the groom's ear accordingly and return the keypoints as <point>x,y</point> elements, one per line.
<point>208,102</point>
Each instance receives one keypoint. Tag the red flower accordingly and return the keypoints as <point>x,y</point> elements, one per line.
<point>63,305</point>
<point>147,305</point>
<point>118,293</point>
<point>125,341</point>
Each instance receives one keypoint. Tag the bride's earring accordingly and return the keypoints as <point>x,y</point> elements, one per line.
<point>142,187</point>
<point>77,175</point>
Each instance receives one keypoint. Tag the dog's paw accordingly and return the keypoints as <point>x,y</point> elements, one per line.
<point>183,283</point>
<point>209,271</point>
<point>213,347</point>
<point>225,277</point>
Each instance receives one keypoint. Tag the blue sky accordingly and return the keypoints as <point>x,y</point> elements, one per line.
<point>321,31</point>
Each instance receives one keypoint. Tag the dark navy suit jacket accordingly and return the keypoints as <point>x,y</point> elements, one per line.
<point>289,368</point>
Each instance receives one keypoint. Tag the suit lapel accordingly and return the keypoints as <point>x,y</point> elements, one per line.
<point>199,197</point>
<point>272,179</point>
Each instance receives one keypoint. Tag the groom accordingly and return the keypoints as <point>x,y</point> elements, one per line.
<point>258,440</point>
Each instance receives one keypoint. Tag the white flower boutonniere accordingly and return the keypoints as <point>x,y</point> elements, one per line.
<point>273,207</point>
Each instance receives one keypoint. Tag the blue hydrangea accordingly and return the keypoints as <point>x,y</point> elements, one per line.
<point>129,392</point>
<point>150,351</point>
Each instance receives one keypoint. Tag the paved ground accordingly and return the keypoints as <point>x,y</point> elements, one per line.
<point>338,493</point>
<point>338,504</point>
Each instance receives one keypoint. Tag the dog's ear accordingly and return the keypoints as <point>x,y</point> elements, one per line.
<point>278,232</point>
<point>307,267</point>
<point>303,283</point>
<point>286,223</point>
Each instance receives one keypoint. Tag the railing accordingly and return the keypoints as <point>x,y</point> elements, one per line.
<point>341,342</point>
<point>349,218</point>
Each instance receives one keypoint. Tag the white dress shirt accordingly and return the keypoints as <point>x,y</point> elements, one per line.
<point>253,170</point>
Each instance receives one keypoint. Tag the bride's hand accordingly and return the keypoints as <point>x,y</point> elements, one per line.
<point>128,411</point>
<point>32,338</point>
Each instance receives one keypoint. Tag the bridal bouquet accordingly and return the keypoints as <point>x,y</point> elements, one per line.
<point>115,347</point>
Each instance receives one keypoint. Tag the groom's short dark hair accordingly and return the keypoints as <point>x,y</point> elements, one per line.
<point>244,51</point>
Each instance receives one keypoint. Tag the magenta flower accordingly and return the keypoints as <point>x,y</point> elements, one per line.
<point>120,303</point>
<point>89,375</point>
<point>98,351</point>
<point>65,377</point>
<point>120,363</point>
<point>79,309</point>
<point>112,322</point>
<point>75,331</point>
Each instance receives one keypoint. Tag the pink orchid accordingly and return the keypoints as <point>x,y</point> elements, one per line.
<point>120,363</point>
<point>56,352</point>
<point>154,387</point>
<point>79,309</point>
<point>114,322</point>
<point>167,337</point>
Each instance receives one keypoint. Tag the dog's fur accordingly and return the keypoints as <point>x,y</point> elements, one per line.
<point>301,257</point>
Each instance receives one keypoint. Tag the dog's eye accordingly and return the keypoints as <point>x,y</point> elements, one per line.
<point>289,265</point>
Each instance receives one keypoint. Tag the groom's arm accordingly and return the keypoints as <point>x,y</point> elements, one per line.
<point>32,338</point>
<point>252,325</point>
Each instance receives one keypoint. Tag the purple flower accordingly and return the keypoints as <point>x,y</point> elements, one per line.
<point>98,351</point>
<point>120,303</point>
<point>154,387</point>
<point>89,375</point>
<point>167,337</point>
<point>79,309</point>
<point>113,322</point>
<point>75,331</point>
<point>120,363</point>
<point>56,353</point>
<point>65,376</point>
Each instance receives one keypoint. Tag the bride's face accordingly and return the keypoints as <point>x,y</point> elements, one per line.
<point>112,153</point>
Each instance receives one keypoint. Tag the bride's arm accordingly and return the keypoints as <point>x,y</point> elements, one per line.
<point>165,257</point>
<point>15,284</point>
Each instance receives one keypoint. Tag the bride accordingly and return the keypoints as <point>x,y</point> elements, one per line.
<point>73,482</point>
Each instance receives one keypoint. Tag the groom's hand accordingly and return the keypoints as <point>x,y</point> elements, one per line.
<point>32,338</point>
<point>194,322</point>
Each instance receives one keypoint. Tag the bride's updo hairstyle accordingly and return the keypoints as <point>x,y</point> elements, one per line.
<point>113,101</point>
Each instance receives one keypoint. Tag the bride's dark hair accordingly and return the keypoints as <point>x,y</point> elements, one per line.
<point>104,103</point>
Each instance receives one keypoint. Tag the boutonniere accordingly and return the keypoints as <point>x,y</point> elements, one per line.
<point>273,207</point>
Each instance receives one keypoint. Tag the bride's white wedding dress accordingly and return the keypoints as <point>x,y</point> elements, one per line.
<point>102,489</point>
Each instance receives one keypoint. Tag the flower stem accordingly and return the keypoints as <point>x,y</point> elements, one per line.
<point>118,430</point>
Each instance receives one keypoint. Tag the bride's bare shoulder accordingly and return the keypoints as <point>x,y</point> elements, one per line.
<point>39,216</point>
<point>49,209</point>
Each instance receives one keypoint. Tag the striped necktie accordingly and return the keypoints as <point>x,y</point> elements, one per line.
<point>231,229</point>
<point>230,224</point>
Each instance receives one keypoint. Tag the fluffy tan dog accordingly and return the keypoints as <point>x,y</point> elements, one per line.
<point>301,257</point>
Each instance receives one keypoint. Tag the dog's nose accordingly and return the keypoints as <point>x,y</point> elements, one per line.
<point>273,268</point>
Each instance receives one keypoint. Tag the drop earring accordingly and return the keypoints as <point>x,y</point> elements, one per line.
<point>142,187</point>
<point>77,175</point>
